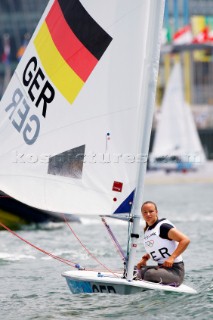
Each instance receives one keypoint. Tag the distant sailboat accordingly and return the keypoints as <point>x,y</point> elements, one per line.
<point>176,145</point>
<point>76,119</point>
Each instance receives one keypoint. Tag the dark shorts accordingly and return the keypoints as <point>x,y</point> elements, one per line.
<point>171,276</point>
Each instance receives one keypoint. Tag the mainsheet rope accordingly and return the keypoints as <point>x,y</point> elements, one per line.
<point>68,262</point>
<point>65,261</point>
<point>85,248</point>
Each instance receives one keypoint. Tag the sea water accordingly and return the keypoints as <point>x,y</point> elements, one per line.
<point>31,285</point>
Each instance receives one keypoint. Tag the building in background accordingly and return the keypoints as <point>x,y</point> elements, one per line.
<point>190,23</point>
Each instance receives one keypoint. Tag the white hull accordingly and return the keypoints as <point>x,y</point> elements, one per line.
<point>81,281</point>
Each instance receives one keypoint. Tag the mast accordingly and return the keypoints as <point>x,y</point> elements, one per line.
<point>148,89</point>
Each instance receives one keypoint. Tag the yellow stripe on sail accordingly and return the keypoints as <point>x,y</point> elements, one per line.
<point>59,72</point>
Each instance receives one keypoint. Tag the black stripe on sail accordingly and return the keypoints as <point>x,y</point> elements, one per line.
<point>88,31</point>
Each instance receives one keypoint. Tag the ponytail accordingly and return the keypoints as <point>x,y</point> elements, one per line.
<point>146,226</point>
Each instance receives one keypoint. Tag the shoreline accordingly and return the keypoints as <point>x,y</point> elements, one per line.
<point>202,175</point>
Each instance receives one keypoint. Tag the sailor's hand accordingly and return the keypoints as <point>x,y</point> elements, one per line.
<point>143,261</point>
<point>168,263</point>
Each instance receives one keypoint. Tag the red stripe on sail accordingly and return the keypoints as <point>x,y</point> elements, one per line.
<point>72,50</point>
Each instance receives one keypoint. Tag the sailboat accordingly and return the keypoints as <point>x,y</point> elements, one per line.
<point>76,120</point>
<point>177,146</point>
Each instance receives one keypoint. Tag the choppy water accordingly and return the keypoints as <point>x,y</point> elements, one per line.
<point>31,286</point>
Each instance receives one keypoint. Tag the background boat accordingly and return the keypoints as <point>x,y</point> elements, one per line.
<point>15,214</point>
<point>177,145</point>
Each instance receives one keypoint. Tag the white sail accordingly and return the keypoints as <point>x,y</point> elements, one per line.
<point>176,134</point>
<point>72,115</point>
<point>196,151</point>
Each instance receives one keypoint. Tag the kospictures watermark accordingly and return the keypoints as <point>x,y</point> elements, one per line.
<point>99,158</point>
<point>90,157</point>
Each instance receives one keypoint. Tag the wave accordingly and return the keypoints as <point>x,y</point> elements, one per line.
<point>15,257</point>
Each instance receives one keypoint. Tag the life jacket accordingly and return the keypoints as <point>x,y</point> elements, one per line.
<point>158,248</point>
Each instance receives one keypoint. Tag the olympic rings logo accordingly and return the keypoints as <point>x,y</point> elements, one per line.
<point>149,243</point>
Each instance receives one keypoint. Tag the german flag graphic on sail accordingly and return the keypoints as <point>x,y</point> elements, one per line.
<point>69,44</point>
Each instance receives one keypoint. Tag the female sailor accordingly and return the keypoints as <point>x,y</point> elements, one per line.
<point>164,244</point>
